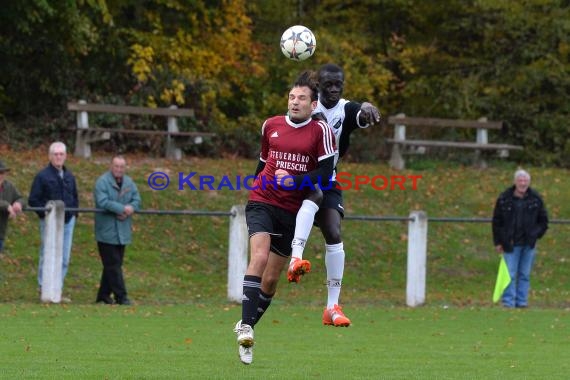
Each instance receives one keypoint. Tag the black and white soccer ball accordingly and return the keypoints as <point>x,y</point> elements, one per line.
<point>298,43</point>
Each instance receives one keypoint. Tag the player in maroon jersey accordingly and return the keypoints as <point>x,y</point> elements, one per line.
<point>297,154</point>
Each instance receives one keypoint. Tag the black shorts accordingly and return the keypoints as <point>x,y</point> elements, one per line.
<point>279,223</point>
<point>332,198</point>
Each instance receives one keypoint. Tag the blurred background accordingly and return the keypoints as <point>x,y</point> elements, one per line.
<point>460,59</point>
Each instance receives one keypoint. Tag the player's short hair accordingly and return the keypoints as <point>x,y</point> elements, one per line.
<point>331,68</point>
<point>308,79</point>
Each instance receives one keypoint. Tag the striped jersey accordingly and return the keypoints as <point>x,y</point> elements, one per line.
<point>342,119</point>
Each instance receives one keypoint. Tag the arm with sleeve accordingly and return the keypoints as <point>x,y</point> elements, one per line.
<point>103,197</point>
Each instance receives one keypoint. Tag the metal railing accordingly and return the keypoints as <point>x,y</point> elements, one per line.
<point>238,245</point>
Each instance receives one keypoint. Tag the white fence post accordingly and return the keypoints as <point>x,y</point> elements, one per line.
<point>482,138</point>
<point>172,151</point>
<point>82,146</point>
<point>417,253</point>
<point>396,159</point>
<point>482,134</point>
<point>237,253</point>
<point>52,276</point>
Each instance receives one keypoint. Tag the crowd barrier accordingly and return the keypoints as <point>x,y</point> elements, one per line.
<point>238,246</point>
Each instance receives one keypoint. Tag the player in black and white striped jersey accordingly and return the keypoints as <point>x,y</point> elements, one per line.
<point>343,117</point>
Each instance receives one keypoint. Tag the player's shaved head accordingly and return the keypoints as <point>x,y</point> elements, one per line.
<point>331,68</point>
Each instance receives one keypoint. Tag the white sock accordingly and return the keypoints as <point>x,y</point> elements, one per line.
<point>334,261</point>
<point>303,225</point>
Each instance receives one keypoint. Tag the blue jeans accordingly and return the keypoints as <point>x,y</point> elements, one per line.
<point>519,262</point>
<point>67,242</point>
<point>1,245</point>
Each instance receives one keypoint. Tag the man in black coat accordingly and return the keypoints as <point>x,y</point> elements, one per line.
<point>519,220</point>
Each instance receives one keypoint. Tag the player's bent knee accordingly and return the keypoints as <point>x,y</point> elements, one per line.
<point>331,234</point>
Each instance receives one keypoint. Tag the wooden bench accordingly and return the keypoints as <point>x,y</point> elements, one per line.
<point>85,135</point>
<point>480,144</point>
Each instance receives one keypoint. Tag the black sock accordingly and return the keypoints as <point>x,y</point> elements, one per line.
<point>264,302</point>
<point>250,299</point>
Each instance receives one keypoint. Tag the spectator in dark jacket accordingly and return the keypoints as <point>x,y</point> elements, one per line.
<point>11,202</point>
<point>519,220</point>
<point>55,182</point>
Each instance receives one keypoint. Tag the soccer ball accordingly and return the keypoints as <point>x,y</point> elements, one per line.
<point>298,43</point>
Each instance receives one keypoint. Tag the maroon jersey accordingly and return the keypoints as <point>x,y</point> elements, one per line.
<point>296,148</point>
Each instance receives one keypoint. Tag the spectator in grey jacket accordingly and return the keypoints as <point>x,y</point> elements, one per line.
<point>117,194</point>
<point>11,202</point>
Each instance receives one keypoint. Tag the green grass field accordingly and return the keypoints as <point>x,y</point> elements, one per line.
<point>176,273</point>
<point>197,342</point>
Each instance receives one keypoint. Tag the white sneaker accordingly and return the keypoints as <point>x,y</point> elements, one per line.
<point>246,354</point>
<point>244,334</point>
<point>245,340</point>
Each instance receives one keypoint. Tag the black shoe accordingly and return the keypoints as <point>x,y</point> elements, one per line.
<point>125,301</point>
<point>106,300</point>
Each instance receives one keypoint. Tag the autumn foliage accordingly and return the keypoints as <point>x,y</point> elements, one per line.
<point>456,59</point>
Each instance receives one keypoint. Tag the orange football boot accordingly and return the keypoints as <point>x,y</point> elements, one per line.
<point>297,269</point>
<point>335,317</point>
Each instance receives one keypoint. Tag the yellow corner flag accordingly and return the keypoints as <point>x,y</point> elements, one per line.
<point>503,280</point>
